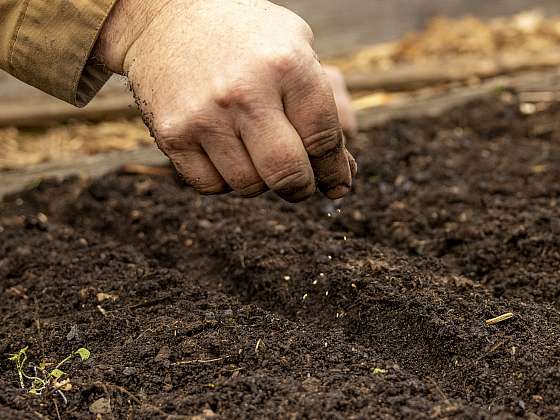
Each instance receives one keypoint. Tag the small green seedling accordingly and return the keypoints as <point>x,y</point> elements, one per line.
<point>44,378</point>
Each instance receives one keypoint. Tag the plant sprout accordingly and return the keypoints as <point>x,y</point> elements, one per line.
<point>43,378</point>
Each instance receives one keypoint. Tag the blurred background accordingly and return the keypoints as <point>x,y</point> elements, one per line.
<point>399,57</point>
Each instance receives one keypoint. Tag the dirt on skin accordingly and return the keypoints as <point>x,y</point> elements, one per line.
<point>374,306</point>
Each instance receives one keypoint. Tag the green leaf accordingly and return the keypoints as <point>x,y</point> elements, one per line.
<point>56,373</point>
<point>21,352</point>
<point>83,353</point>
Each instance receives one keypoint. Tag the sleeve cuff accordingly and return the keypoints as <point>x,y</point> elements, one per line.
<point>52,46</point>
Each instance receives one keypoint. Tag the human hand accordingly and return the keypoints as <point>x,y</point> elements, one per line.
<point>233,94</point>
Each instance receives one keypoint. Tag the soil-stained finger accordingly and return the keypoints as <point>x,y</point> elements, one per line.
<point>199,172</point>
<point>278,153</point>
<point>309,105</point>
<point>231,159</point>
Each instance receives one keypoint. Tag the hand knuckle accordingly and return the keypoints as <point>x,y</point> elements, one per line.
<point>236,95</point>
<point>284,62</point>
<point>324,143</point>
<point>183,133</point>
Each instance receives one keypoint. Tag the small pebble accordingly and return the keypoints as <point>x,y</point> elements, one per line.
<point>128,371</point>
<point>100,406</point>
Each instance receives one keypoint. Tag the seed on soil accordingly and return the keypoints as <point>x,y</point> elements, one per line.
<point>315,282</point>
<point>304,297</point>
<point>287,278</point>
<point>259,344</point>
<point>101,310</point>
<point>500,318</point>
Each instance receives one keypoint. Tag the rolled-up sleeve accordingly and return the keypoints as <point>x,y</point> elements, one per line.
<point>47,44</point>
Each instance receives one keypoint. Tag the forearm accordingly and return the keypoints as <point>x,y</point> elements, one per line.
<point>48,43</point>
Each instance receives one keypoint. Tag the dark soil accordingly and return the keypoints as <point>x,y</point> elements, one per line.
<point>374,306</point>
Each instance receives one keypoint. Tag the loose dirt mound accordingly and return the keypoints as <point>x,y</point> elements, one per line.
<point>373,306</point>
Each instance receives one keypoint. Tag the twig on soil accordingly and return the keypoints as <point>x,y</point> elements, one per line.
<point>500,318</point>
<point>190,362</point>
<point>496,346</point>
<point>56,408</point>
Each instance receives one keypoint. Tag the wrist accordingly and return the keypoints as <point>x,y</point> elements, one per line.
<point>125,24</point>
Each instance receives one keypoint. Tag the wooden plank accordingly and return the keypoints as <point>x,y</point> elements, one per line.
<point>436,105</point>
<point>416,76</point>
<point>87,166</point>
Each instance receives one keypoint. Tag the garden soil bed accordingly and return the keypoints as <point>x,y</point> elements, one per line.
<point>373,306</point>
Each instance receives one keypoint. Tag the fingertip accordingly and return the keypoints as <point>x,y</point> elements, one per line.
<point>337,192</point>
<point>300,195</point>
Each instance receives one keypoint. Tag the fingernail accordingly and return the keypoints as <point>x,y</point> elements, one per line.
<point>337,192</point>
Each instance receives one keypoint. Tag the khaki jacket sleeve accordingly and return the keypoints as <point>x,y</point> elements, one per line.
<point>47,44</point>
